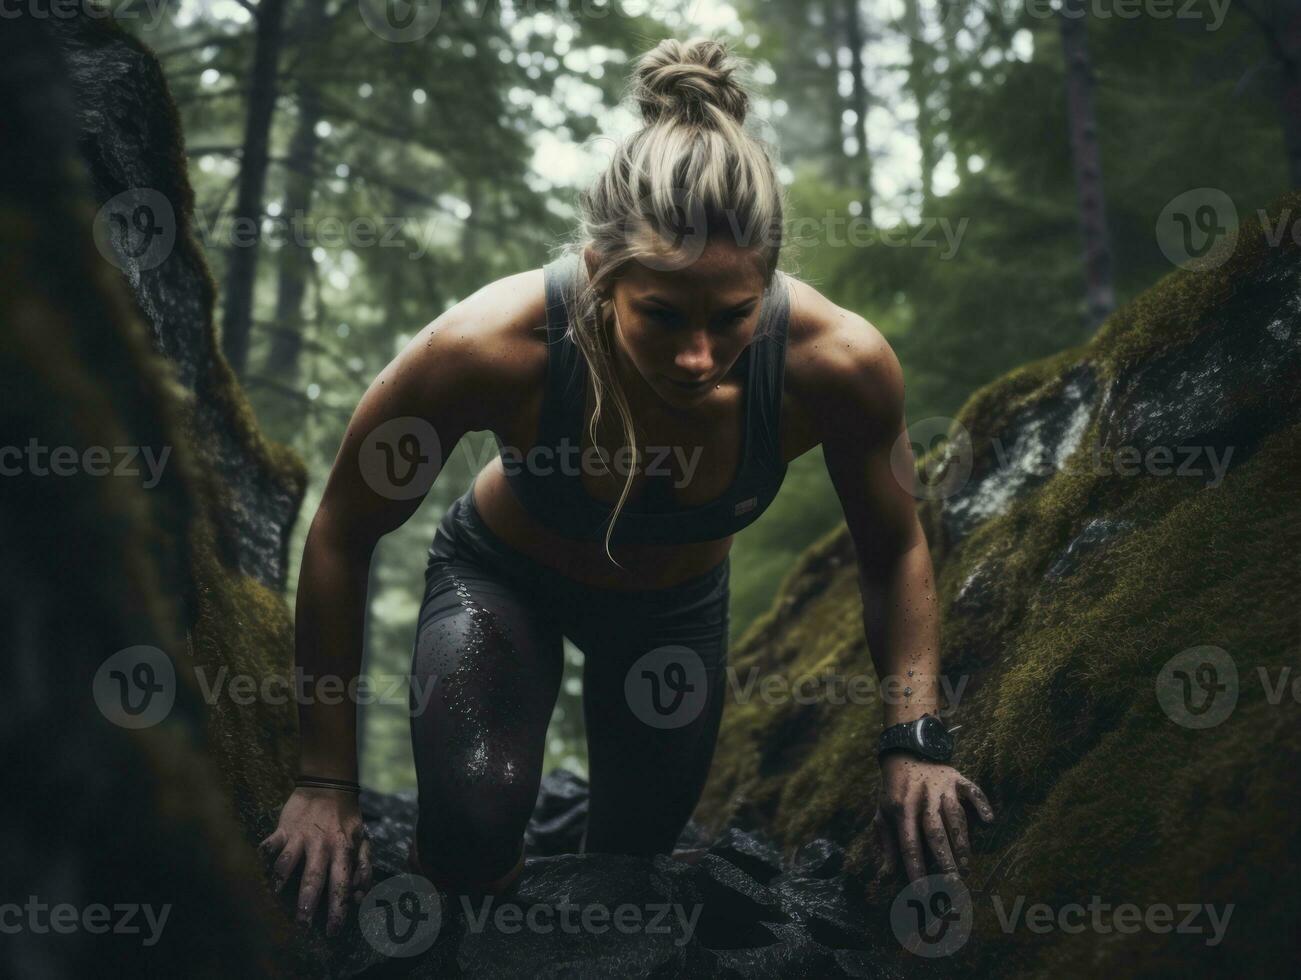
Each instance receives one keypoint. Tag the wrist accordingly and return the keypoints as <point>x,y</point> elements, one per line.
<point>313,781</point>
<point>326,766</point>
<point>924,737</point>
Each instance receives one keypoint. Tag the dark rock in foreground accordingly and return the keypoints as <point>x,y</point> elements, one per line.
<point>737,910</point>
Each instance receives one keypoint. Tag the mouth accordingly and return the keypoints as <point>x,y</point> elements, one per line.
<point>683,386</point>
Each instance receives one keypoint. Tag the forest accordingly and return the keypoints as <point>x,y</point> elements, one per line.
<point>964,175</point>
<point>1074,221</point>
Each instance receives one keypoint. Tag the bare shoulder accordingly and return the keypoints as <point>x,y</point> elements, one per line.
<point>490,347</point>
<point>840,367</point>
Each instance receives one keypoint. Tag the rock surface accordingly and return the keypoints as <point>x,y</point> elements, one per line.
<point>737,910</point>
<point>1127,504</point>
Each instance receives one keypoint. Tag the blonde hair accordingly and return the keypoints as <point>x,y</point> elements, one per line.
<point>691,165</point>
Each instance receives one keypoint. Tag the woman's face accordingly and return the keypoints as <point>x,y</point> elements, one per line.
<point>690,324</point>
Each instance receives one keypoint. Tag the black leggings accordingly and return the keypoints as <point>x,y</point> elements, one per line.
<point>485,675</point>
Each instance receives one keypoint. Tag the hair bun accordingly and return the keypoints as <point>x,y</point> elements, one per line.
<point>683,80</point>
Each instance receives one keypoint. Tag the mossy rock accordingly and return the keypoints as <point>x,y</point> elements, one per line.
<point>1066,586</point>
<point>95,357</point>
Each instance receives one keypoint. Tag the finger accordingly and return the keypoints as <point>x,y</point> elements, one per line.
<point>972,794</point>
<point>910,844</point>
<point>937,839</point>
<point>309,893</point>
<point>956,822</point>
<point>272,845</point>
<point>361,875</point>
<point>340,879</point>
<point>285,863</point>
<point>889,847</point>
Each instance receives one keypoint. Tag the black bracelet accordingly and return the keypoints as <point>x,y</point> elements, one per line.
<point>325,782</point>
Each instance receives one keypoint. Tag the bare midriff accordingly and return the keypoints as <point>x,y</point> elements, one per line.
<point>649,566</point>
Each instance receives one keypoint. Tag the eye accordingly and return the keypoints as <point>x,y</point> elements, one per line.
<point>661,315</point>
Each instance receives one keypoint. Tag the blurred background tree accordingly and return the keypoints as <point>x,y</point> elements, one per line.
<point>981,179</point>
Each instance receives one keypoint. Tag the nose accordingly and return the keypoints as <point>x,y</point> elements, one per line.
<point>696,360</point>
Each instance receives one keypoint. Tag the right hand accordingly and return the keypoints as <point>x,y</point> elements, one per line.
<point>325,826</point>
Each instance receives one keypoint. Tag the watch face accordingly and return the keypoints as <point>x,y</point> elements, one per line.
<point>934,736</point>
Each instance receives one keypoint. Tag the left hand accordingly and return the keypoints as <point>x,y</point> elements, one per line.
<point>922,801</point>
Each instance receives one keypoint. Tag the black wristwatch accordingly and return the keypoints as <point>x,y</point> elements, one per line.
<point>925,736</point>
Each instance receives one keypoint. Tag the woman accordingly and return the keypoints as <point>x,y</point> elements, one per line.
<point>720,370</point>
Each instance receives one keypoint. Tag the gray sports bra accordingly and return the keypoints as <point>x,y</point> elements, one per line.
<point>546,478</point>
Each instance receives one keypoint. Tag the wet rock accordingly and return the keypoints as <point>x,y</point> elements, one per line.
<point>975,596</point>
<point>1237,379</point>
<point>791,954</point>
<point>130,139</point>
<point>1096,535</point>
<point>584,915</point>
<point>1024,453</point>
<point>753,853</point>
<point>390,821</point>
<point>734,912</point>
<point>732,894</point>
<point>831,910</point>
<point>819,858</point>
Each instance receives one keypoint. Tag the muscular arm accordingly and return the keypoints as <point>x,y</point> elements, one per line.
<point>405,426</point>
<point>461,373</point>
<point>871,469</point>
<point>900,617</point>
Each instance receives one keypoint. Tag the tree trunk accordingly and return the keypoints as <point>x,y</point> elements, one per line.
<point>296,256</point>
<point>1082,122</point>
<point>859,102</point>
<point>920,56</point>
<point>241,267</point>
<point>953,82</point>
<point>837,164</point>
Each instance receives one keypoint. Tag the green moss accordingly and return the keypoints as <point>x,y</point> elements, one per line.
<point>1097,791</point>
